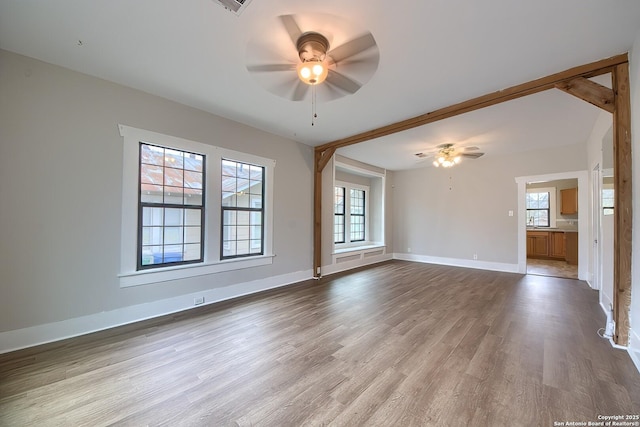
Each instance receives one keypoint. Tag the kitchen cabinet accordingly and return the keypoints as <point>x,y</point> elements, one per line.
<point>553,244</point>
<point>571,248</point>
<point>569,201</point>
<point>537,244</point>
<point>557,244</point>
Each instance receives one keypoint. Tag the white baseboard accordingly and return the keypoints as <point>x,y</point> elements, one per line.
<point>56,331</point>
<point>349,265</point>
<point>634,348</point>
<point>456,262</point>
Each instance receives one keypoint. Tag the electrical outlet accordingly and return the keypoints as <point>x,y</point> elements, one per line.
<point>409,250</point>
<point>198,300</point>
<point>475,256</point>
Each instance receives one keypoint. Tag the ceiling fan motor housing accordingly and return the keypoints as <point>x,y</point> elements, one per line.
<point>312,46</point>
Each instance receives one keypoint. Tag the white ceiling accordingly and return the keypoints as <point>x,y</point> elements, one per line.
<point>432,54</point>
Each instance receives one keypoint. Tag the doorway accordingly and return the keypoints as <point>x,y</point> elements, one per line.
<point>552,228</point>
<point>579,238</point>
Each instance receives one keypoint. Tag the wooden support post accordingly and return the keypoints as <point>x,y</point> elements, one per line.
<point>623,203</point>
<point>321,159</point>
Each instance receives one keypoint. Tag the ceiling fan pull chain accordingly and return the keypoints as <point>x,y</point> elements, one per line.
<point>313,105</point>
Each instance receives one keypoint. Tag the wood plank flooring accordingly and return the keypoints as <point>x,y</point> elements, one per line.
<point>396,344</point>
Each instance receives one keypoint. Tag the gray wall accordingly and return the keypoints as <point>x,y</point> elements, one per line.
<point>60,192</point>
<point>456,212</point>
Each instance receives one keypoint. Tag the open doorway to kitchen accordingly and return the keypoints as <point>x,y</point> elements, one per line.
<point>552,228</point>
<point>550,225</point>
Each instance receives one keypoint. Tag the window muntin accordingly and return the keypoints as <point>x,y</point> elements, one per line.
<point>242,209</point>
<point>339,215</point>
<point>170,207</point>
<point>538,209</point>
<point>357,215</point>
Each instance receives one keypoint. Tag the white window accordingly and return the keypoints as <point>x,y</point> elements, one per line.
<point>176,209</point>
<point>541,207</point>
<point>351,224</point>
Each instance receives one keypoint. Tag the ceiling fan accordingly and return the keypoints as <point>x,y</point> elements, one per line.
<point>447,155</point>
<point>333,72</point>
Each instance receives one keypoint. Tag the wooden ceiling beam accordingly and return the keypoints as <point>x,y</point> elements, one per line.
<point>549,82</point>
<point>591,92</point>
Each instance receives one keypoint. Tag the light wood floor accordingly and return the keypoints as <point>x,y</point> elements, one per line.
<point>555,268</point>
<point>397,344</point>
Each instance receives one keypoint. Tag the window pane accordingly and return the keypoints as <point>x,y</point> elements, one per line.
<point>256,232</point>
<point>229,249</point>
<point>151,174</point>
<point>191,252</point>
<point>543,200</point>
<point>150,193</point>
<point>192,234</point>
<point>173,177</point>
<point>173,159</point>
<point>173,235</point>
<point>193,179</point>
<point>173,195</point>
<point>152,216</point>
<point>193,162</point>
<point>242,232</point>
<point>192,217</point>
<point>256,187</point>
<point>228,199</point>
<point>152,155</point>
<point>256,218</point>
<point>172,253</point>
<point>151,255</point>
<point>242,170</point>
<point>339,200</point>
<point>243,218</point>
<point>242,247</point>
<point>152,236</point>
<point>255,246</point>
<point>255,201</point>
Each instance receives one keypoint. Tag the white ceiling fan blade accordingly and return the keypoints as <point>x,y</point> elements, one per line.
<point>352,47</point>
<point>472,155</point>
<point>271,67</point>
<point>292,28</point>
<point>342,82</point>
<point>299,91</point>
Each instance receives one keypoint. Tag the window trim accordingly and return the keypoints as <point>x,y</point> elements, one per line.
<point>129,275</point>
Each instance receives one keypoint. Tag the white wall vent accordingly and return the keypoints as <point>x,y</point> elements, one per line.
<point>235,6</point>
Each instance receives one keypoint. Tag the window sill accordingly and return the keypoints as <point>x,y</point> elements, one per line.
<point>363,247</point>
<point>165,274</point>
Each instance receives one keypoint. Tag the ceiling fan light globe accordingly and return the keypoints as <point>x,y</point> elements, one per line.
<point>436,164</point>
<point>457,159</point>
<point>312,72</point>
<point>317,69</point>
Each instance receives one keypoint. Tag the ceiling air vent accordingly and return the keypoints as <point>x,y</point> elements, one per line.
<point>235,6</point>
